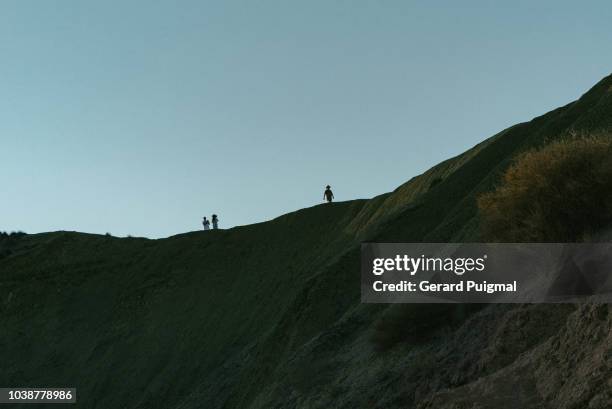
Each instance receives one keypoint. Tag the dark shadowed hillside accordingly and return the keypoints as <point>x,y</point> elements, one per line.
<point>269,315</point>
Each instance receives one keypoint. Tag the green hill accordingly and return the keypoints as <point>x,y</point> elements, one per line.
<point>268,315</point>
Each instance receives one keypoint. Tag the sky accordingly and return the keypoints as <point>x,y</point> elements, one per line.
<point>140,117</point>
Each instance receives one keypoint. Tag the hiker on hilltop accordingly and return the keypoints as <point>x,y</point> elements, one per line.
<point>215,222</point>
<point>328,194</point>
<point>206,223</point>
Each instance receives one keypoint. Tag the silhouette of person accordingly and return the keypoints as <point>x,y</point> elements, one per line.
<point>206,223</point>
<point>215,222</point>
<point>328,194</point>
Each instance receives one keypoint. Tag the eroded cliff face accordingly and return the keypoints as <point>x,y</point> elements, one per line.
<point>505,356</point>
<point>572,368</point>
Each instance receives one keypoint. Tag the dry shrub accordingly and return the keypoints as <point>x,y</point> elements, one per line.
<point>414,324</point>
<point>561,192</point>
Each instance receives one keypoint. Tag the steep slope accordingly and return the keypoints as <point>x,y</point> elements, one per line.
<point>268,315</point>
<point>572,369</point>
<point>332,362</point>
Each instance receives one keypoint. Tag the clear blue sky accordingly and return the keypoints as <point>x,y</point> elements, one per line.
<point>140,117</point>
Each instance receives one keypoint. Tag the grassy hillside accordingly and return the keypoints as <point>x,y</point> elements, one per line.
<point>268,315</point>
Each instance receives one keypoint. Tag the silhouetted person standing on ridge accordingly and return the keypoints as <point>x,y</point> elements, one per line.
<point>215,221</point>
<point>206,223</point>
<point>328,194</point>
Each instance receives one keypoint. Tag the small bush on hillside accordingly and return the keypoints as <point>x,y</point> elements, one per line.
<point>561,192</point>
<point>11,235</point>
<point>405,323</point>
<point>415,323</point>
<point>8,241</point>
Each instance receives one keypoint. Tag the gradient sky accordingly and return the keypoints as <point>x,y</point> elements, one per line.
<point>140,117</point>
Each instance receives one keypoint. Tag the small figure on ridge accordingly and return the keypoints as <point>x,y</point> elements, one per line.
<point>215,222</point>
<point>328,194</point>
<point>206,223</point>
